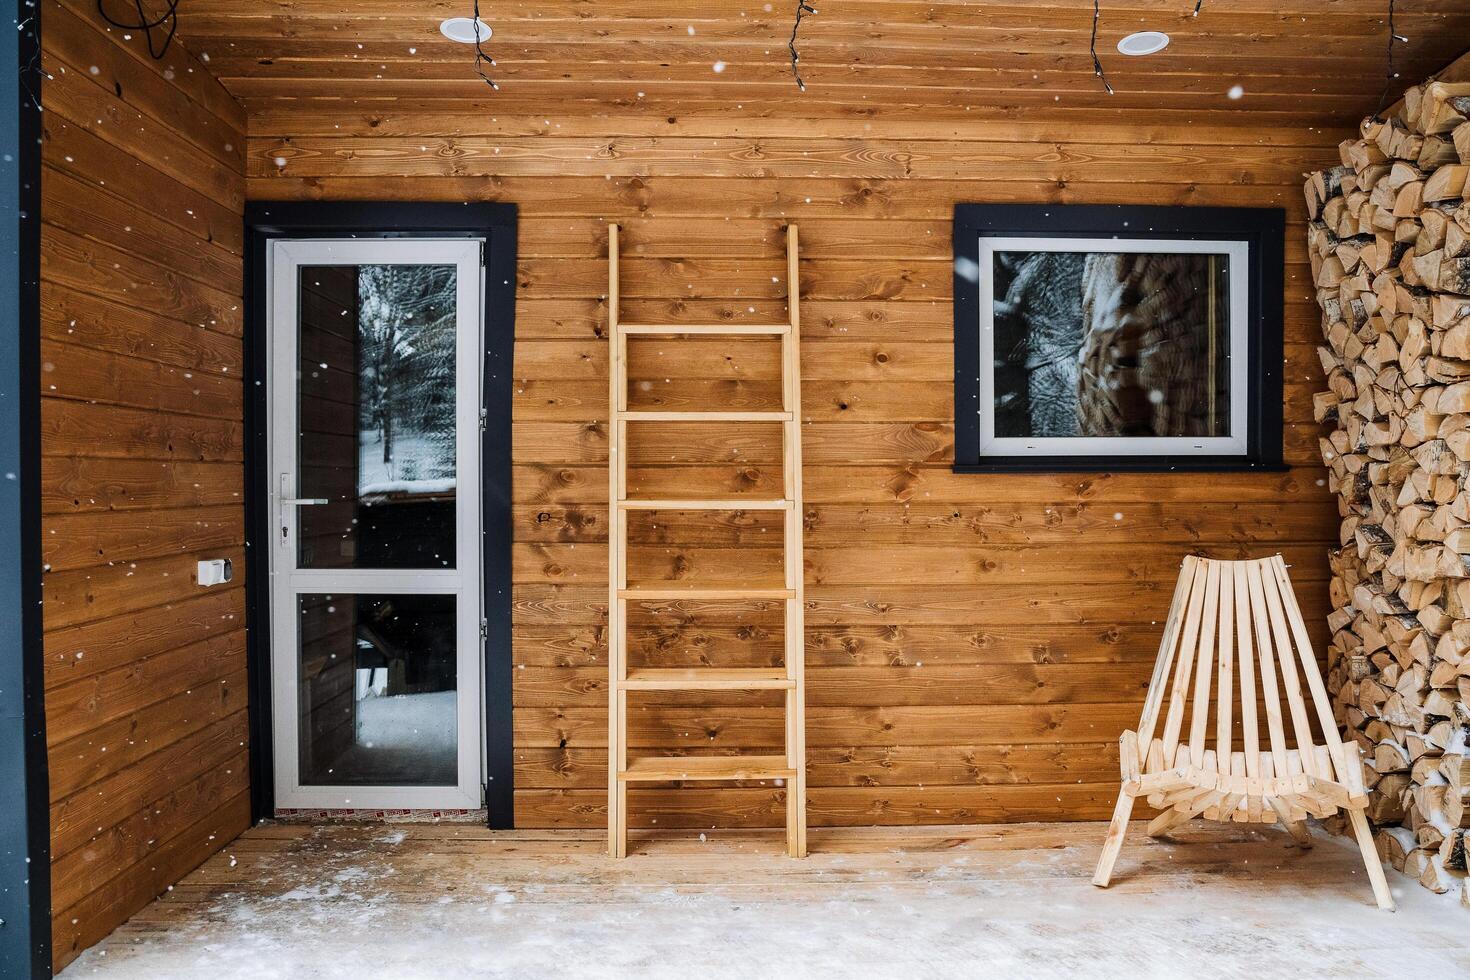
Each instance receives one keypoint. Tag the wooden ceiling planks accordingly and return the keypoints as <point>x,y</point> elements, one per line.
<point>1297,59</point>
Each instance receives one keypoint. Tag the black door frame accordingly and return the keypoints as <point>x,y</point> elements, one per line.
<point>25,825</point>
<point>267,221</point>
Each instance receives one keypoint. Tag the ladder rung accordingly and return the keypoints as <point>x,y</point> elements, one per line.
<point>663,768</point>
<point>706,593</point>
<point>636,416</point>
<point>736,504</point>
<point>707,679</point>
<point>729,329</point>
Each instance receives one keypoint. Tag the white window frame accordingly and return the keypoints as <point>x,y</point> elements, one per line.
<point>1235,444</point>
<point>288,581</point>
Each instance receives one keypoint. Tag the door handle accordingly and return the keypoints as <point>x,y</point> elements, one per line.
<point>296,502</point>
<point>286,501</point>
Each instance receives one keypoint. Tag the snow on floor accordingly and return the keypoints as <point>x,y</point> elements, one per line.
<point>386,905</point>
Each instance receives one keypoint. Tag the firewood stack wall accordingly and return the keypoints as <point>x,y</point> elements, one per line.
<point>1389,239</point>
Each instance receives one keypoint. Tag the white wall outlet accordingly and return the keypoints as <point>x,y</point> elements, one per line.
<point>216,572</point>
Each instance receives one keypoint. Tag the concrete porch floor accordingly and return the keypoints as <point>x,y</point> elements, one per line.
<point>446,901</point>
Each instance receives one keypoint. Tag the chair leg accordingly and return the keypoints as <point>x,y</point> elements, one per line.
<point>1296,828</point>
<point>1183,812</point>
<point>1370,859</point>
<point>1117,830</point>
<point>1168,820</point>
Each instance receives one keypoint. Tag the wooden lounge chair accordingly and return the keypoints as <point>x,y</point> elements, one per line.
<point>1235,635</point>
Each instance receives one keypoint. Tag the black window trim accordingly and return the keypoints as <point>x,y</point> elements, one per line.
<point>1263,229</point>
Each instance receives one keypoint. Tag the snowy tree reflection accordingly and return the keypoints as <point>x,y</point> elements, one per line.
<point>406,368</point>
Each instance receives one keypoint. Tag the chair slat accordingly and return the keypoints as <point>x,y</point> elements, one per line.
<point>1286,661</point>
<point>1268,667</point>
<point>1165,660</point>
<point>1224,687</point>
<point>1250,736</point>
<point>1253,785</point>
<point>1174,721</point>
<point>1320,699</point>
<point>1200,716</point>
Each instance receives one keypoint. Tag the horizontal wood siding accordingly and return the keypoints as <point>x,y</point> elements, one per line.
<point>975,643</point>
<point>1292,59</point>
<point>142,475</point>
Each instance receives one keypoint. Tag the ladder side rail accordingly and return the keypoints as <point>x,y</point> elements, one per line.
<point>617,815</point>
<point>795,579</point>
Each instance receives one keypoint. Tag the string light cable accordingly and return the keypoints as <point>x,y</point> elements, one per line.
<point>482,57</point>
<point>1390,73</point>
<point>169,19</point>
<point>1097,68</point>
<point>802,9</point>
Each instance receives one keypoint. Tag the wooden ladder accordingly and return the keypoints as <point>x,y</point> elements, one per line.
<point>791,767</point>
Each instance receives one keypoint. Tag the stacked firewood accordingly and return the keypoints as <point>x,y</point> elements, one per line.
<point>1389,238</point>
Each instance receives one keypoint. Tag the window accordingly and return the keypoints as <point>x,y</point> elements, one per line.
<point>1108,338</point>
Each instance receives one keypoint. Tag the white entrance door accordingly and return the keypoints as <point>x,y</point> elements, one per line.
<point>375,496</point>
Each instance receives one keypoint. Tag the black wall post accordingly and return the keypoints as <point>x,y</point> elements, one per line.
<point>25,828</point>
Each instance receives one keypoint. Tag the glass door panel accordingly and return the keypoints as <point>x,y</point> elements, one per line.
<point>377,685</point>
<point>375,594</point>
<point>376,400</point>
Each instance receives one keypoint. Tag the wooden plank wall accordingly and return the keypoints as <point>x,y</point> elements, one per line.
<point>975,643</point>
<point>142,440</point>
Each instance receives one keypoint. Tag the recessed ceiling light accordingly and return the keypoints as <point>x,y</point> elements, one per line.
<point>1143,42</point>
<point>462,29</point>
